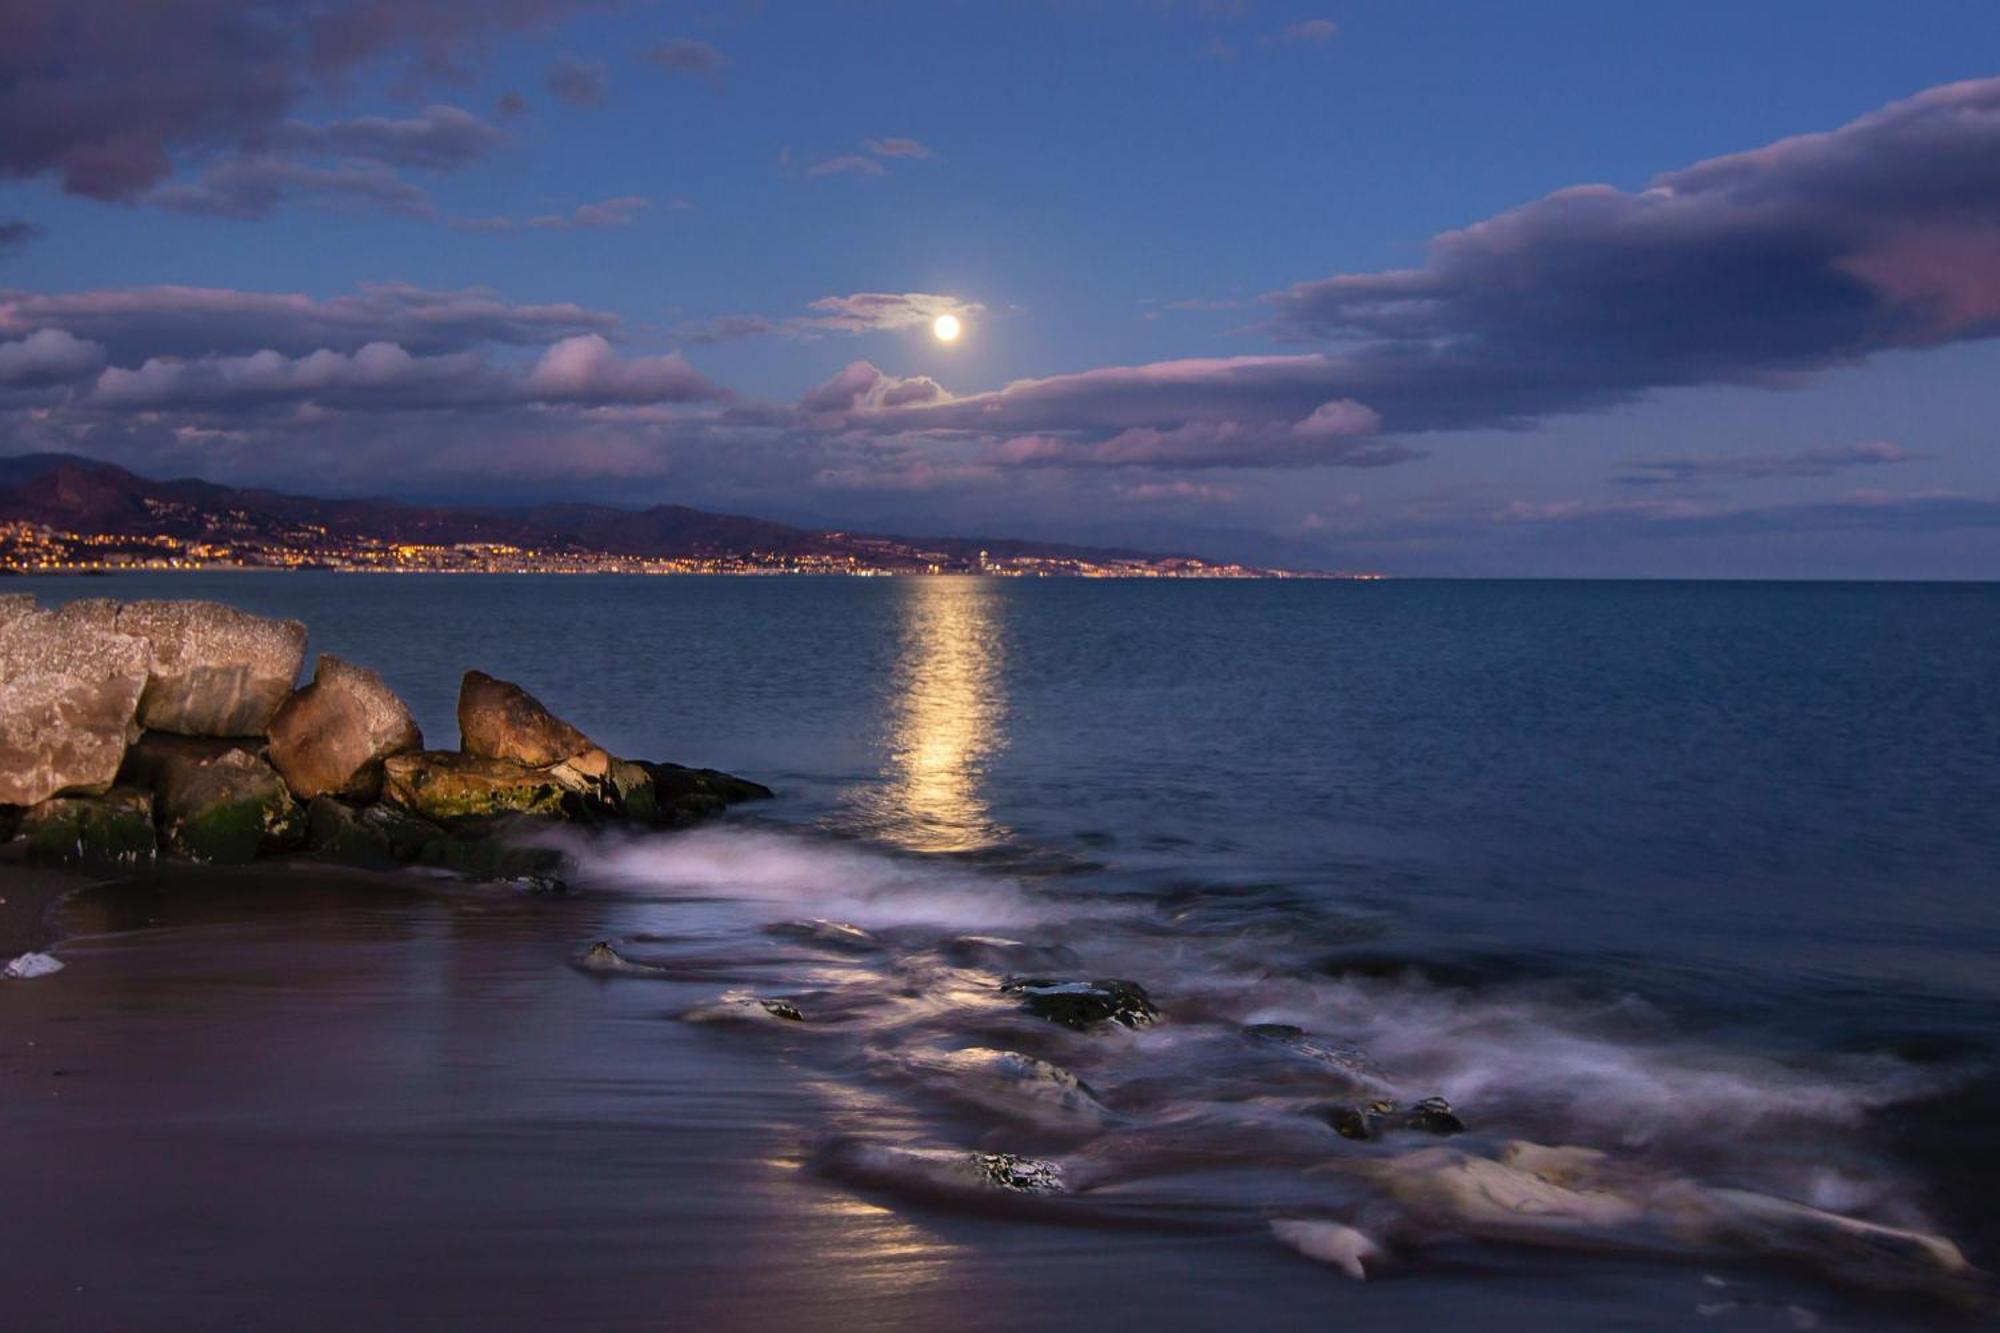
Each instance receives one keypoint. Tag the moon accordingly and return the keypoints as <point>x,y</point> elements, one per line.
<point>946,328</point>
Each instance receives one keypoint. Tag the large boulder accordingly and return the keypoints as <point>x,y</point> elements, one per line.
<point>225,805</point>
<point>499,720</point>
<point>330,738</point>
<point>70,684</point>
<point>216,671</point>
<point>444,786</point>
<point>110,830</point>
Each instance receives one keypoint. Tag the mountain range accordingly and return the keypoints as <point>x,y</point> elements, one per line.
<point>84,498</point>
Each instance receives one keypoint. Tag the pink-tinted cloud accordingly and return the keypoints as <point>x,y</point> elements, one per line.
<point>576,81</point>
<point>48,356</point>
<point>587,369</point>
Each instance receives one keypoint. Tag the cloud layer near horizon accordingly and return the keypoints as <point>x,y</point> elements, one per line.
<point>1758,268</point>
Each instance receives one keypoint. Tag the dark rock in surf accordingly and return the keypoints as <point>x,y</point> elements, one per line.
<point>1083,1004</point>
<point>1343,1058</point>
<point>373,837</point>
<point>228,807</point>
<point>115,829</point>
<point>1432,1115</point>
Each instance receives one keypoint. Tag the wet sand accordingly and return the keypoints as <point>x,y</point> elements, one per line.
<point>290,1096</point>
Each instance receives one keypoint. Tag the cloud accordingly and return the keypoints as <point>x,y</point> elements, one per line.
<point>510,103</point>
<point>1332,435</point>
<point>849,164</point>
<point>857,312</point>
<point>250,187</point>
<point>48,356</point>
<point>137,322</point>
<point>859,384</point>
<point>1315,32</point>
<point>898,148</point>
<point>15,233</point>
<point>1819,461</point>
<point>577,82</point>
<point>582,371</point>
<point>586,369</point>
<point>107,102</point>
<point>685,55</point>
<point>440,138</point>
<point>622,211</point>
<point>879,312</point>
<point>1755,268</point>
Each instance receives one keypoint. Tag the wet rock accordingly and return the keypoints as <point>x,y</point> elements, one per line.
<point>70,686</point>
<point>226,808</point>
<point>1083,1004</point>
<point>115,829</point>
<point>603,958</point>
<point>330,738</point>
<point>499,720</point>
<point>677,784</point>
<point>375,837</point>
<point>216,671</point>
<point>1001,954</point>
<point>740,1006</point>
<point>443,786</point>
<point>1342,1058</point>
<point>1432,1115</point>
<point>826,934</point>
<point>944,1170</point>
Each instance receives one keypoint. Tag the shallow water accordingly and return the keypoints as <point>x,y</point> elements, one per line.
<point>1697,874</point>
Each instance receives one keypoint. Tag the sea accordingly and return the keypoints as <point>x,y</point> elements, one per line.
<point>1704,877</point>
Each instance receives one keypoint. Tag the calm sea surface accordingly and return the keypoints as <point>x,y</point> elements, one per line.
<point>1706,875</point>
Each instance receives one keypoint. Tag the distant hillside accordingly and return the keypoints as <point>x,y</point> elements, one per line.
<point>95,499</point>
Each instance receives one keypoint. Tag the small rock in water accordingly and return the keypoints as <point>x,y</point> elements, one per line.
<point>1009,1082</point>
<point>1341,1057</point>
<point>1432,1115</point>
<point>949,1170</point>
<point>30,965</point>
<point>997,952</point>
<point>1082,1004</point>
<point>737,1006</point>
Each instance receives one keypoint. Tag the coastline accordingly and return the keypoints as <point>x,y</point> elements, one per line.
<point>29,896</point>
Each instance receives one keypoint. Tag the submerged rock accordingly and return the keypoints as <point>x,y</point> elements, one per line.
<point>497,719</point>
<point>827,934</point>
<point>1002,954</point>
<point>1010,1083</point>
<point>739,1006</point>
<point>1580,1197</point>
<point>1432,1115</point>
<point>678,786</point>
<point>1083,1004</point>
<point>215,670</point>
<point>330,738</point>
<point>491,852</point>
<point>109,830</point>
<point>603,957</point>
<point>70,685</point>
<point>225,807</point>
<point>1343,1058</point>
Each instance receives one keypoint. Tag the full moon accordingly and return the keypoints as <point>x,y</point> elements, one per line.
<point>946,328</point>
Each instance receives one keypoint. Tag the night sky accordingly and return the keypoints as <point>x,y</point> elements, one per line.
<point>1547,289</point>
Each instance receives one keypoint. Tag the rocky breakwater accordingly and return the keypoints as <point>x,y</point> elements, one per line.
<point>174,727</point>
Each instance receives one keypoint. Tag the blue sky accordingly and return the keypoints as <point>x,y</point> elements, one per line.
<point>1091,185</point>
